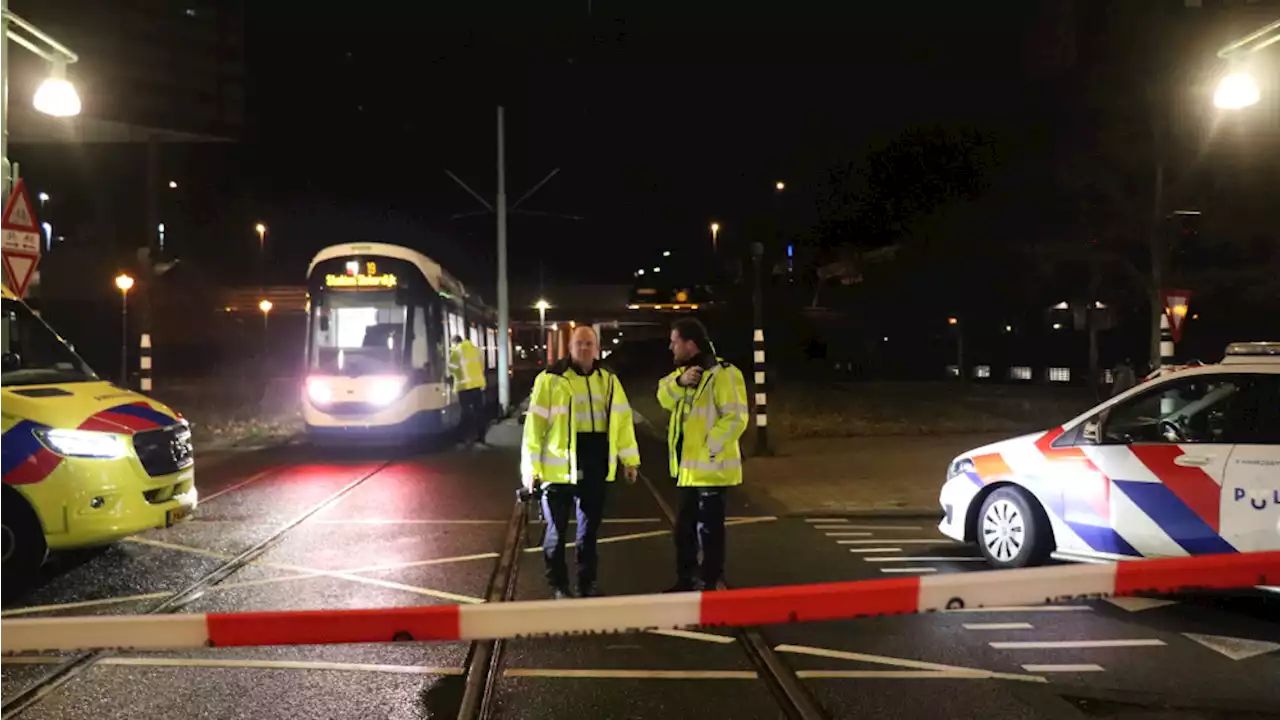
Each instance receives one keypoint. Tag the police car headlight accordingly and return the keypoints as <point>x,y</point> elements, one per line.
<point>959,466</point>
<point>384,390</point>
<point>83,443</point>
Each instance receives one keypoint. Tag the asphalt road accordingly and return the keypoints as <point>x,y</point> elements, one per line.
<point>427,527</point>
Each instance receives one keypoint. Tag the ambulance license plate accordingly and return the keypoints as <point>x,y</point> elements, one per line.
<point>176,516</point>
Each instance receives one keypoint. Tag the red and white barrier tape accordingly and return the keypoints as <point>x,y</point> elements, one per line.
<point>754,606</point>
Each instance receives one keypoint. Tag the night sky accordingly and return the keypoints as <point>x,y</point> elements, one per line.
<point>661,117</point>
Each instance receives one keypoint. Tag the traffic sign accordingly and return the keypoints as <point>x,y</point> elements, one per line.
<point>18,269</point>
<point>21,240</point>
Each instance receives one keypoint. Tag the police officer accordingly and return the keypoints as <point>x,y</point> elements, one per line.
<point>467,371</point>
<point>578,430</point>
<point>707,399</point>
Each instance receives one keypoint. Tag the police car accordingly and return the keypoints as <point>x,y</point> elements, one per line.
<point>1185,463</point>
<point>84,462</point>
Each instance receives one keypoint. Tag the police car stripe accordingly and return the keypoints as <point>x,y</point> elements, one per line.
<point>754,606</point>
<point>1175,517</point>
<point>1192,485</point>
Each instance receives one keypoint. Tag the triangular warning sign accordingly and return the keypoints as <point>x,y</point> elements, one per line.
<point>18,214</point>
<point>18,269</point>
<point>1234,648</point>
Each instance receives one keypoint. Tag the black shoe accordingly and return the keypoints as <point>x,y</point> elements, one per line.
<point>682,586</point>
<point>588,590</point>
<point>561,593</point>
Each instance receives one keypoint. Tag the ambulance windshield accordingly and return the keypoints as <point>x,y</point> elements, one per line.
<point>33,352</point>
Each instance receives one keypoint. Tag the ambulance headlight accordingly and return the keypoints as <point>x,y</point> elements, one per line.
<point>83,443</point>
<point>385,390</point>
<point>959,466</point>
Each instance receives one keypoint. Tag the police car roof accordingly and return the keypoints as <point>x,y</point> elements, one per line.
<point>1252,353</point>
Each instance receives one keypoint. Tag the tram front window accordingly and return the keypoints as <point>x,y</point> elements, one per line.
<point>358,333</point>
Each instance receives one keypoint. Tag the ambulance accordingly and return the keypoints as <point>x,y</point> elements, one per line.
<point>85,462</point>
<point>1185,463</point>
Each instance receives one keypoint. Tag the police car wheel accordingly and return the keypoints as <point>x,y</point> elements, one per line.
<point>24,548</point>
<point>1012,530</point>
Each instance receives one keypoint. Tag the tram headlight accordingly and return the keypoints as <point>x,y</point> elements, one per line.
<point>384,390</point>
<point>319,390</point>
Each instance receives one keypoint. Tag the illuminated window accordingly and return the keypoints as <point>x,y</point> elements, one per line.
<point>1020,372</point>
<point>1059,374</point>
<point>982,371</point>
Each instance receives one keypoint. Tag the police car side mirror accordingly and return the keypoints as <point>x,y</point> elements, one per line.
<point>1091,433</point>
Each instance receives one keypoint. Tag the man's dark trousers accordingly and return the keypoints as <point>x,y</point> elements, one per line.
<point>700,522</point>
<point>473,413</point>
<point>588,497</point>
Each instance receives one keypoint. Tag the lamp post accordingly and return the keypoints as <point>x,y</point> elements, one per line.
<point>124,283</point>
<point>56,96</point>
<point>543,306</point>
<point>261,229</point>
<point>715,236</point>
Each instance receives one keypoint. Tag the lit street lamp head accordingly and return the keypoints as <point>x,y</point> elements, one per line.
<point>124,282</point>
<point>265,306</point>
<point>56,96</point>
<point>779,186</point>
<point>1236,91</point>
<point>260,228</point>
<point>542,305</point>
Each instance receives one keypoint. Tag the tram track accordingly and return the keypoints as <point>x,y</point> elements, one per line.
<point>76,665</point>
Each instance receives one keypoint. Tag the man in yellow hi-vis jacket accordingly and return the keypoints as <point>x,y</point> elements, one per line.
<point>578,430</point>
<point>707,399</point>
<point>467,370</point>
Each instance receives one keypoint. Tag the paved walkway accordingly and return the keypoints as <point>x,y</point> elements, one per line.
<point>857,474</point>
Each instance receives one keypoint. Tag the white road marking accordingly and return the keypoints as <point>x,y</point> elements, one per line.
<point>912,528</point>
<point>429,521</point>
<point>691,635</point>
<point>921,569</point>
<point>1022,608</point>
<point>279,665</point>
<point>609,674</point>
<point>206,499</point>
<point>847,534</point>
<point>911,541</point>
<point>1072,644</point>
<point>420,563</point>
<point>1082,667</point>
<point>922,558</point>
<point>1234,648</point>
<point>151,596</point>
<point>901,675</point>
<point>341,575</point>
<point>874,550</point>
<point>898,662</point>
<point>826,520</point>
<point>998,626</point>
<point>1138,604</point>
<point>830,527</point>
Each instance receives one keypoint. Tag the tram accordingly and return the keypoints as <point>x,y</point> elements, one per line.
<point>381,323</point>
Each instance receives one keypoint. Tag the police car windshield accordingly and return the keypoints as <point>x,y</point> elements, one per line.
<point>33,352</point>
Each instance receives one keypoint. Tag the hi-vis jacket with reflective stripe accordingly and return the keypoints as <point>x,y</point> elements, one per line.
<point>564,403</point>
<point>466,367</point>
<point>706,422</point>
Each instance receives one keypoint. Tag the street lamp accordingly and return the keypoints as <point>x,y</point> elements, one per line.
<point>124,283</point>
<point>56,95</point>
<point>1236,91</point>
<point>173,184</point>
<point>715,235</point>
<point>779,186</point>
